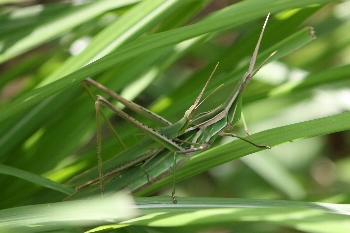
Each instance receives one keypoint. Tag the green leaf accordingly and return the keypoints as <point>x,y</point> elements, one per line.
<point>214,213</point>
<point>67,215</point>
<point>34,179</point>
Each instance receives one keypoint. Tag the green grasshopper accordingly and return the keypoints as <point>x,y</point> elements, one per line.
<point>198,133</point>
<point>162,139</point>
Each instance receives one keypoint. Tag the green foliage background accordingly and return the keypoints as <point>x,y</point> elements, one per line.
<point>159,54</point>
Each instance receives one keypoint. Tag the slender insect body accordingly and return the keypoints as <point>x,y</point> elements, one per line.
<point>182,139</point>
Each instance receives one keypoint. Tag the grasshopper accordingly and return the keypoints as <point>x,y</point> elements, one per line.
<point>198,133</point>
